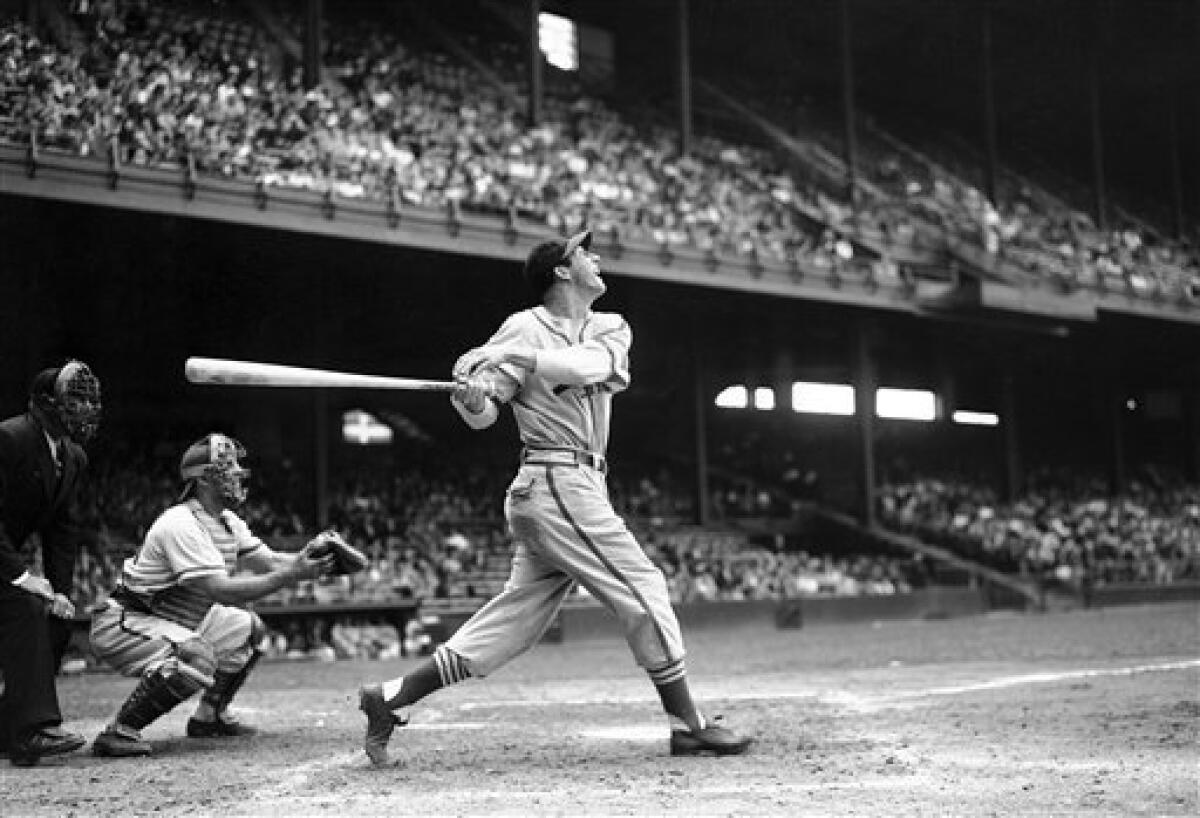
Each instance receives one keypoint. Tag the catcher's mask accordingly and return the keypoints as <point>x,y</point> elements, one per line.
<point>213,460</point>
<point>67,401</point>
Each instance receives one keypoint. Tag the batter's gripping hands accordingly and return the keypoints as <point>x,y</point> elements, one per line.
<point>346,558</point>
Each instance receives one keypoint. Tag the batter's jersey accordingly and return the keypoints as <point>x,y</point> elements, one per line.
<point>551,415</point>
<point>183,543</point>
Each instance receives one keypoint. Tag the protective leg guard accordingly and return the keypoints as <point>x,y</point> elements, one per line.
<point>218,696</point>
<point>155,695</point>
<point>226,684</point>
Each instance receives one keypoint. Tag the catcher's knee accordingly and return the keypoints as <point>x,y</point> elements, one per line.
<point>195,660</point>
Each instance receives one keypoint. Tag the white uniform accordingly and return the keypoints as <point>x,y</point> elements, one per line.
<point>559,512</point>
<point>151,611</point>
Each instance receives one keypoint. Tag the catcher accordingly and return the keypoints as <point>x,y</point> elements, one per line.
<point>176,620</point>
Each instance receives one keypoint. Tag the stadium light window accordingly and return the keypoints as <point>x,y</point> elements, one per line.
<point>361,428</point>
<point>905,404</point>
<point>764,398</point>
<point>823,398</point>
<point>968,417</point>
<point>558,41</point>
<point>733,397</point>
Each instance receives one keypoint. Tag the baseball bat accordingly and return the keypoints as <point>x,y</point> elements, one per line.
<point>224,372</point>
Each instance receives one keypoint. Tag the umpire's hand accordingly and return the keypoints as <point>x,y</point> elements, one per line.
<point>56,604</point>
<point>62,607</point>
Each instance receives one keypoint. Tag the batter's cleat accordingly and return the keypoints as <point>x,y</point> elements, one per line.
<point>712,739</point>
<point>48,741</point>
<point>119,741</point>
<point>381,721</point>
<point>220,727</point>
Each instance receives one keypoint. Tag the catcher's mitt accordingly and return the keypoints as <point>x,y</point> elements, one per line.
<point>346,558</point>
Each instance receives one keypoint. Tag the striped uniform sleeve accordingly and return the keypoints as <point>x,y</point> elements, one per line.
<point>191,552</point>
<point>507,379</point>
<point>615,338</point>
<point>247,542</point>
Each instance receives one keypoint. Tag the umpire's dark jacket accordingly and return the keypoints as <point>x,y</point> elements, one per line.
<point>35,495</point>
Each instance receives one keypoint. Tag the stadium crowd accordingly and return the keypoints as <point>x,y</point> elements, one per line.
<point>1030,229</point>
<point>195,84</point>
<point>1064,527</point>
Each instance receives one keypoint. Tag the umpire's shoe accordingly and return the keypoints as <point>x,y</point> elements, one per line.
<point>119,741</point>
<point>381,721</point>
<point>712,739</point>
<point>48,741</point>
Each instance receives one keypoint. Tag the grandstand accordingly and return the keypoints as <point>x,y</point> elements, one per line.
<point>351,184</point>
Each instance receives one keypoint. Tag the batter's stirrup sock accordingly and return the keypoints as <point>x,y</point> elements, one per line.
<point>670,681</point>
<point>154,696</point>
<point>442,669</point>
<point>226,684</point>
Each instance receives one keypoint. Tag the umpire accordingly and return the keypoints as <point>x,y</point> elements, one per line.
<point>41,462</point>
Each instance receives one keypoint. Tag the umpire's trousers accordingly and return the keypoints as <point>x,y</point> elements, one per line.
<point>27,660</point>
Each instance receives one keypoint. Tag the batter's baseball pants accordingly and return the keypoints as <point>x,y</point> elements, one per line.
<point>566,532</point>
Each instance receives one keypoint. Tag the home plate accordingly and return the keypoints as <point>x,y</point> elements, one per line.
<point>627,732</point>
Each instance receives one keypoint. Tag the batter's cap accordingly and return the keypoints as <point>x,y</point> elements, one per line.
<point>545,257</point>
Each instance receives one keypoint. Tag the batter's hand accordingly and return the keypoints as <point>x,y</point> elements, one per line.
<point>473,393</point>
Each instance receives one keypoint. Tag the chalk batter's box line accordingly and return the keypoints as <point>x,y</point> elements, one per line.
<point>998,683</point>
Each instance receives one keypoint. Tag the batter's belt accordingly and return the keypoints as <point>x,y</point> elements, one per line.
<point>563,456</point>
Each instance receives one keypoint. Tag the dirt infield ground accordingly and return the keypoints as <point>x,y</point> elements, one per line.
<point>1088,712</point>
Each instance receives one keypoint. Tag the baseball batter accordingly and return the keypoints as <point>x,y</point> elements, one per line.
<point>175,620</point>
<point>558,366</point>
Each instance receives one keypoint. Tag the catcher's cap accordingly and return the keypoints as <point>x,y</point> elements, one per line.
<point>214,452</point>
<point>545,257</point>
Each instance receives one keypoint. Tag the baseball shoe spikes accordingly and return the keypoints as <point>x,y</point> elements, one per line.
<point>713,739</point>
<point>381,722</point>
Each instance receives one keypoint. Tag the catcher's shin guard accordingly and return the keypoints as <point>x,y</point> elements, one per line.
<point>155,695</point>
<point>226,684</point>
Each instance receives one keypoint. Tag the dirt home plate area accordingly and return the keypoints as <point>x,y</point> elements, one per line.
<point>1087,712</point>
